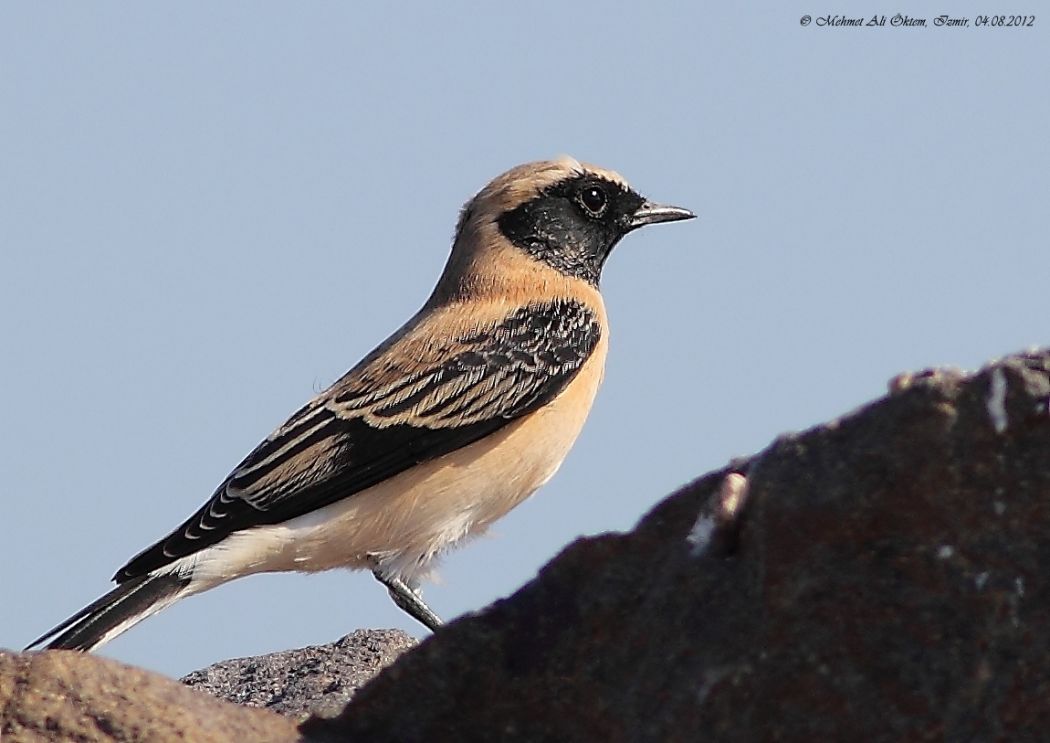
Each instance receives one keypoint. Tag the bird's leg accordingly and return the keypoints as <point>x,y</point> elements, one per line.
<point>409,601</point>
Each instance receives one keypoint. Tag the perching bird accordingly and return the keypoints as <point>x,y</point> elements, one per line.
<point>452,421</point>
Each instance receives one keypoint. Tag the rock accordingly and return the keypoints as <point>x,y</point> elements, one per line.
<point>319,679</point>
<point>69,696</point>
<point>881,577</point>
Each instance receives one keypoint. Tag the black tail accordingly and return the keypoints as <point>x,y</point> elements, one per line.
<point>119,610</point>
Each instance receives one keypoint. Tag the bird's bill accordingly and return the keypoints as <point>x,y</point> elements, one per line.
<point>650,213</point>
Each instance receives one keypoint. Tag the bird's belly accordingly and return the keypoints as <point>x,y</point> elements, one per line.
<point>400,524</point>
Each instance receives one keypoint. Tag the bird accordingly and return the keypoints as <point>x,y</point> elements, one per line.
<point>452,421</point>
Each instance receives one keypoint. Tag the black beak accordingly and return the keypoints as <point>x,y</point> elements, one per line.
<point>650,213</point>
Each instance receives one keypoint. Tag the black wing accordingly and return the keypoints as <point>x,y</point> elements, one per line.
<point>374,424</point>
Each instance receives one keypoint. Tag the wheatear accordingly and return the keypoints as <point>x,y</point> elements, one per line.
<point>451,422</point>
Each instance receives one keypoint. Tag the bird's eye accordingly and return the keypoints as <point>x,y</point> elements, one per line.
<point>594,200</point>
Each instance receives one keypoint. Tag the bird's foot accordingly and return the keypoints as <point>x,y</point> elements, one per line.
<point>409,601</point>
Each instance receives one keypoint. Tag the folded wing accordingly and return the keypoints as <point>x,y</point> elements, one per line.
<point>388,415</point>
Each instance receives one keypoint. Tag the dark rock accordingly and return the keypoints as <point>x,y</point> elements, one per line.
<point>319,679</point>
<point>881,577</point>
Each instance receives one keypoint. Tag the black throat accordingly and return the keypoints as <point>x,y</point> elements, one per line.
<point>555,227</point>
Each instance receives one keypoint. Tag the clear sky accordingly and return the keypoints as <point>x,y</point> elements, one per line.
<point>209,211</point>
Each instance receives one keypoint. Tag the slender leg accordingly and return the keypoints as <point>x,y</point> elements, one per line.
<point>409,601</point>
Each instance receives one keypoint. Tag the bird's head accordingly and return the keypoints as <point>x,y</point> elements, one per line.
<point>564,214</point>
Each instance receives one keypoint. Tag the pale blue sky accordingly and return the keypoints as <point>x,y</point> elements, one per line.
<point>209,211</point>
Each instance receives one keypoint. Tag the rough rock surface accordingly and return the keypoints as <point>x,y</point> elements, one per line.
<point>319,679</point>
<point>70,696</point>
<point>885,578</point>
<point>879,578</point>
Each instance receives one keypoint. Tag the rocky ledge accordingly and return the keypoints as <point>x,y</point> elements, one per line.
<point>880,577</point>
